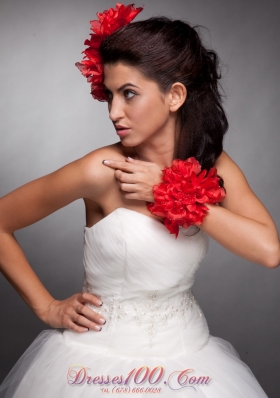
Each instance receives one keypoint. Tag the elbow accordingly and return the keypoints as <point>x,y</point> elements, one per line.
<point>272,257</point>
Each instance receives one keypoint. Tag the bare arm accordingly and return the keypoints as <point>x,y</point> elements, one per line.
<point>242,224</point>
<point>25,206</point>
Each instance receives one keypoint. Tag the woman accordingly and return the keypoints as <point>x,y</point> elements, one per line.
<point>161,88</point>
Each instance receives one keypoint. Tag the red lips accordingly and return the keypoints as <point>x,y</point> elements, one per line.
<point>121,130</point>
<point>119,127</point>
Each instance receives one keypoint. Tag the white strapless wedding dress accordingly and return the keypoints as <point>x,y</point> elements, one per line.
<point>156,339</point>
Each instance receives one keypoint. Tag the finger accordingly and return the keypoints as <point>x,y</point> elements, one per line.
<point>115,164</point>
<point>137,161</point>
<point>82,329</point>
<point>69,323</point>
<point>126,177</point>
<point>82,321</point>
<point>131,195</point>
<point>127,187</point>
<point>137,196</point>
<point>125,166</point>
<point>77,328</point>
<point>136,180</point>
<point>91,315</point>
<point>86,297</point>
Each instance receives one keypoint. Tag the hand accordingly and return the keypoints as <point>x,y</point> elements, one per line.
<point>136,178</point>
<point>72,313</point>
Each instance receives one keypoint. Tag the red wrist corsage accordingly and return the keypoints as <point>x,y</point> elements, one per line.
<point>180,198</point>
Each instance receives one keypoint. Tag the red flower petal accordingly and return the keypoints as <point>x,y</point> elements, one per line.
<point>181,196</point>
<point>108,22</point>
<point>172,227</point>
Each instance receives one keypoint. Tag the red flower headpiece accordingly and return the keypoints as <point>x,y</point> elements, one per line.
<point>108,22</point>
<point>184,190</point>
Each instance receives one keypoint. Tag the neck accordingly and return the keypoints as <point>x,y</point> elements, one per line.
<point>159,149</point>
<point>161,155</point>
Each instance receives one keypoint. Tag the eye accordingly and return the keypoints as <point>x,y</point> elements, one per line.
<point>129,94</point>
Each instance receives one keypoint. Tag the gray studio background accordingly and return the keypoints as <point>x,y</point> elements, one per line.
<point>48,119</point>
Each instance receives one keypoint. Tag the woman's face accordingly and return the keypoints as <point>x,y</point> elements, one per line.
<point>138,109</point>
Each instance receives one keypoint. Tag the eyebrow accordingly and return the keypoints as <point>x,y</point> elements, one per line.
<point>124,86</point>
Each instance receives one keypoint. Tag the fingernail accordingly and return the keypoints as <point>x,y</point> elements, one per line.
<point>129,158</point>
<point>98,328</point>
<point>102,320</point>
<point>101,303</point>
<point>86,329</point>
<point>105,161</point>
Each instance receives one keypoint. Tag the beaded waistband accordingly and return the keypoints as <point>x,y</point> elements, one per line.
<point>150,313</point>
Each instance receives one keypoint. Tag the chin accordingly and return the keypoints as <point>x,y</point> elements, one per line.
<point>127,142</point>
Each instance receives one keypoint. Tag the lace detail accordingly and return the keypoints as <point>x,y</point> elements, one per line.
<point>151,314</point>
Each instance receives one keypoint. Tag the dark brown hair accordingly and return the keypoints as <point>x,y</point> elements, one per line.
<point>166,52</point>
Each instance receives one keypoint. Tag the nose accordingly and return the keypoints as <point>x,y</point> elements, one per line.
<point>116,111</point>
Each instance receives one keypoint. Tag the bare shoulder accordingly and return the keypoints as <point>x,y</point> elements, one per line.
<point>235,181</point>
<point>229,170</point>
<point>97,176</point>
<point>240,198</point>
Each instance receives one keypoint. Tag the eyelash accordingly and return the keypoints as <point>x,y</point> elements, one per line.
<point>129,92</point>
<point>125,92</point>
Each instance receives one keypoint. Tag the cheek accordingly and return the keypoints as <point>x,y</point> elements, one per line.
<point>151,111</point>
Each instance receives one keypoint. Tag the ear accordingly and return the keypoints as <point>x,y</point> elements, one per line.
<point>177,96</point>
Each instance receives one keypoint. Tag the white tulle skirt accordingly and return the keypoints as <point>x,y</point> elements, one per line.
<point>54,368</point>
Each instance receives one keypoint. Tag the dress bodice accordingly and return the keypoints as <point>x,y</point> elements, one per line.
<point>144,277</point>
<point>129,254</point>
